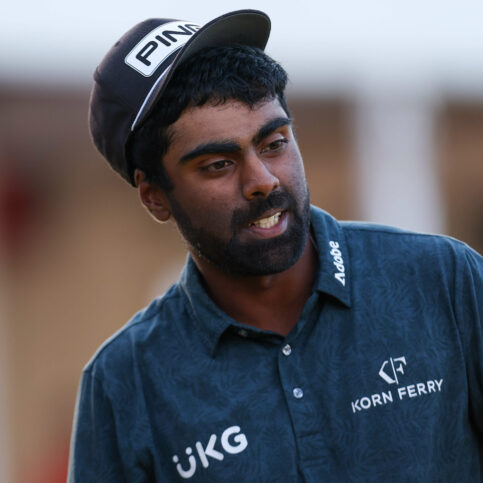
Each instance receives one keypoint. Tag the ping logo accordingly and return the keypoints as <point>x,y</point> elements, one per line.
<point>389,373</point>
<point>238,445</point>
<point>397,365</point>
<point>338,261</point>
<point>158,44</point>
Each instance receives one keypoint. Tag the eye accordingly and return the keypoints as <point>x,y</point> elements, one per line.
<point>216,166</point>
<point>275,146</point>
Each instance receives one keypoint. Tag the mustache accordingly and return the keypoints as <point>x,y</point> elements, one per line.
<point>281,200</point>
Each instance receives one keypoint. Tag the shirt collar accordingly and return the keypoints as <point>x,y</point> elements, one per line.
<point>210,320</point>
<point>333,278</point>
<point>334,275</point>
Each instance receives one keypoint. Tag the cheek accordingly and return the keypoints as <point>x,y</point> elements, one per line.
<point>208,201</point>
<point>297,161</point>
<point>208,210</point>
<point>293,171</point>
<point>218,196</point>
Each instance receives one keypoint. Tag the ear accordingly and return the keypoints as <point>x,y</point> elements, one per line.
<point>152,197</point>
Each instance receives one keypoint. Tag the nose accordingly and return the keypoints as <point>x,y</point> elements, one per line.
<point>258,180</point>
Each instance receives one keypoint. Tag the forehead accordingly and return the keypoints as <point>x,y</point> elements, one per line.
<point>232,120</point>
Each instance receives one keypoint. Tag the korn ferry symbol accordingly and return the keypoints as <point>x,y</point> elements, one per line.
<point>389,372</point>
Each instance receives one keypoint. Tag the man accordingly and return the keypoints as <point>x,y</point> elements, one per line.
<point>294,347</point>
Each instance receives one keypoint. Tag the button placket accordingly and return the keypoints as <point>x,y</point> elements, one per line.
<point>286,350</point>
<point>297,392</point>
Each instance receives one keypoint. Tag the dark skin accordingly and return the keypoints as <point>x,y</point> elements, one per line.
<point>220,159</point>
<point>270,302</point>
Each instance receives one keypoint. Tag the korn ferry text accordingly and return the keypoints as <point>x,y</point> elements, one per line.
<point>421,389</point>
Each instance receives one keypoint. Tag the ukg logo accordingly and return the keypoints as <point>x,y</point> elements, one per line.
<point>232,441</point>
<point>391,371</point>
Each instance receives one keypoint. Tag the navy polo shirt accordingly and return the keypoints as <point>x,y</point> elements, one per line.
<point>381,379</point>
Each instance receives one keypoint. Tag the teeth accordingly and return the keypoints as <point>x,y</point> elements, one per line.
<point>268,222</point>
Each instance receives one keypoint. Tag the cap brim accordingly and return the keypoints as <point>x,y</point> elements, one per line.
<point>246,27</point>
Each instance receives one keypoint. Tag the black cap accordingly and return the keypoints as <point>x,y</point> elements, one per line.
<point>135,72</point>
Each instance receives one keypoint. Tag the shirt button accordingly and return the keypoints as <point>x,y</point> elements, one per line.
<point>298,393</point>
<point>287,350</point>
<point>243,332</point>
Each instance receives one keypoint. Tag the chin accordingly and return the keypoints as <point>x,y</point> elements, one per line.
<point>266,257</point>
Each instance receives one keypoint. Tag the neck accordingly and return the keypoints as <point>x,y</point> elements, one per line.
<point>269,302</point>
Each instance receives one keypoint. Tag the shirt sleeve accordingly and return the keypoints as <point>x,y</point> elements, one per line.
<point>469,311</point>
<point>94,454</point>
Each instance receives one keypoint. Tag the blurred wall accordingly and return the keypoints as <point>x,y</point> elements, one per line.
<point>80,255</point>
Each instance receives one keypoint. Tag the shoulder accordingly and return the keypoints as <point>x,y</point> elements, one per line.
<point>405,242</point>
<point>146,328</point>
<point>371,239</point>
<point>428,261</point>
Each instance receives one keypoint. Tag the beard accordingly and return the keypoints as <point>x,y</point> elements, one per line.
<point>255,257</point>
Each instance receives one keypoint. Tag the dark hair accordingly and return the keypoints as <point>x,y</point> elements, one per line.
<point>214,75</point>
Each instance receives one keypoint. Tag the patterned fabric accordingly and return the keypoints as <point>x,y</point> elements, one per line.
<point>380,380</point>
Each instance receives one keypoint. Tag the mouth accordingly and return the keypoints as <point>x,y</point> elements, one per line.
<point>271,225</point>
<point>267,222</point>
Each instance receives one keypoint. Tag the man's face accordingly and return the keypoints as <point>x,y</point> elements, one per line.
<point>240,198</point>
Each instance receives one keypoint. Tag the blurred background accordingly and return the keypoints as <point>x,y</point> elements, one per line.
<point>388,105</point>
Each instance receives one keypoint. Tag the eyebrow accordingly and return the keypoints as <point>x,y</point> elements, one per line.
<point>210,148</point>
<point>270,127</point>
<point>232,146</point>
